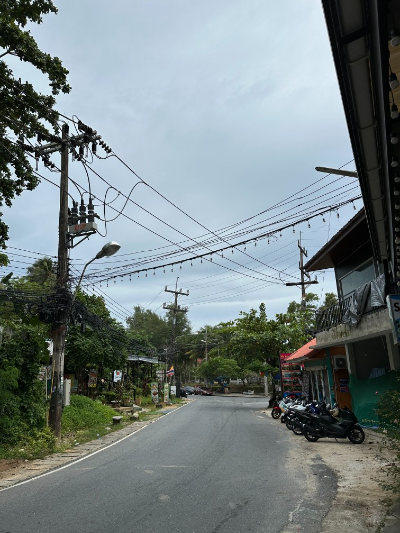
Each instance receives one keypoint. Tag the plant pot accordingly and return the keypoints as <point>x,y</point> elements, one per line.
<point>138,400</point>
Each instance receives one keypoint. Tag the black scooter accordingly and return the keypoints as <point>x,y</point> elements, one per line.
<point>345,426</point>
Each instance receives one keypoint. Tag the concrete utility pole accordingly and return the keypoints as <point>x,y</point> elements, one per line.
<point>303,283</point>
<point>59,333</point>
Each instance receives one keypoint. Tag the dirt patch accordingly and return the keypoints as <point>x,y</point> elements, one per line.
<point>11,467</point>
<point>360,503</point>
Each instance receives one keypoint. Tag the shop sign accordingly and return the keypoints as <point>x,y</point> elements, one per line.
<point>393,303</point>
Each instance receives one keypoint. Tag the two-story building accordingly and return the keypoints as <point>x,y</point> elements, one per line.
<point>365,43</point>
<point>355,335</point>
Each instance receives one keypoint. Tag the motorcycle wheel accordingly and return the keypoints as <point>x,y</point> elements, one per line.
<point>289,424</point>
<point>356,435</point>
<point>275,414</point>
<point>296,430</point>
<point>310,437</point>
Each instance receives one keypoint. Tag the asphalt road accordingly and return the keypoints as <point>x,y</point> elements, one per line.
<point>217,465</point>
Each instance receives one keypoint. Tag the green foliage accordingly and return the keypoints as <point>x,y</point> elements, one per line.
<point>22,350</point>
<point>157,331</point>
<point>218,366</point>
<point>106,347</point>
<point>24,110</point>
<point>84,413</point>
<point>389,412</point>
<point>33,444</point>
<point>146,324</point>
<point>42,272</point>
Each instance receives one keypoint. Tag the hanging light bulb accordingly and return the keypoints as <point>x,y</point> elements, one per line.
<point>394,162</point>
<point>393,81</point>
<point>394,112</point>
<point>396,178</point>
<point>394,138</point>
<point>397,218</point>
<point>396,229</point>
<point>395,37</point>
<point>354,207</point>
<point>396,192</point>
<point>397,240</point>
<point>323,219</point>
<point>397,206</point>
<point>294,231</point>
<point>309,225</point>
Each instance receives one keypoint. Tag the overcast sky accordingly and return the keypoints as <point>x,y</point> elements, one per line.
<point>224,107</point>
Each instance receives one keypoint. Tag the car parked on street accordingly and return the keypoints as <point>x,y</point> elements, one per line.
<point>206,392</point>
<point>188,389</point>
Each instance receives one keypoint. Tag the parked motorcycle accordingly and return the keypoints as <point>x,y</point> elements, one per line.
<point>334,423</point>
<point>276,410</point>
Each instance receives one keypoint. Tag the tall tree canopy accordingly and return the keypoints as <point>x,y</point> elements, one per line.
<point>25,111</point>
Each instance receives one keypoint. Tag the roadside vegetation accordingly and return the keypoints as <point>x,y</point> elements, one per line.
<point>389,413</point>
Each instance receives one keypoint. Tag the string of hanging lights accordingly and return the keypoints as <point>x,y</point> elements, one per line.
<point>99,277</point>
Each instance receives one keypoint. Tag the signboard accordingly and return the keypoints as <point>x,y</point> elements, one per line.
<point>92,378</point>
<point>160,375</point>
<point>173,390</point>
<point>166,393</point>
<point>154,391</point>
<point>393,303</point>
<point>117,375</point>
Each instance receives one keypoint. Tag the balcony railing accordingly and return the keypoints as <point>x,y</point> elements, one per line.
<point>332,316</point>
<point>350,309</point>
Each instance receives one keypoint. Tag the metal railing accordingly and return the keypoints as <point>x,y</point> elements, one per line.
<point>335,315</point>
<point>332,316</point>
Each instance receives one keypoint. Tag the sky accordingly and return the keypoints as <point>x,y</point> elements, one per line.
<point>223,108</point>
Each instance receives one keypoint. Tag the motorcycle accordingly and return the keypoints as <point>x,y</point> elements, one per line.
<point>276,410</point>
<point>333,423</point>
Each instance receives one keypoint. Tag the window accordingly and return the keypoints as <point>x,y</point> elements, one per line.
<point>357,278</point>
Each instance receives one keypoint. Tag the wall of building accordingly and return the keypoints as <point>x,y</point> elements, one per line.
<point>366,394</point>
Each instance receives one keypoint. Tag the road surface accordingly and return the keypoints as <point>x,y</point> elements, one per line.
<point>216,465</point>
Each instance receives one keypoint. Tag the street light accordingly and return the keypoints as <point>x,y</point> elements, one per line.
<point>339,172</point>
<point>108,250</point>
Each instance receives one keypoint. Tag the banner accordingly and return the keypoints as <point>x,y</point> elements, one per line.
<point>154,391</point>
<point>170,372</point>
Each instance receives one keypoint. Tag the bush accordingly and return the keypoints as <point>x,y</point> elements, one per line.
<point>84,413</point>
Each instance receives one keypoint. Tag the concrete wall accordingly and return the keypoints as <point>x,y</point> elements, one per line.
<point>372,325</point>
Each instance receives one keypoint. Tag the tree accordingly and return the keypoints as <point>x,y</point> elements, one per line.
<point>23,349</point>
<point>150,326</point>
<point>218,366</point>
<point>330,299</point>
<point>42,272</point>
<point>25,111</point>
<point>104,347</point>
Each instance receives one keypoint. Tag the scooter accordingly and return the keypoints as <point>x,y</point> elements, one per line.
<point>276,410</point>
<point>336,423</point>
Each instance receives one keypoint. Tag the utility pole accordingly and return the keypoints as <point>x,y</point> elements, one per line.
<point>68,229</point>
<point>175,308</point>
<point>303,283</point>
<point>59,332</point>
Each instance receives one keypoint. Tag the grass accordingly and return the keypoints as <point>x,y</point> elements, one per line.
<point>82,421</point>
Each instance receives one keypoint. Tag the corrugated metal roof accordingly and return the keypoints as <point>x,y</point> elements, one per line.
<point>303,351</point>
